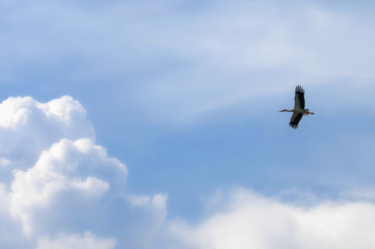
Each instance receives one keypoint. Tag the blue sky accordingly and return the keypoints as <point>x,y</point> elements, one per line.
<point>182,98</point>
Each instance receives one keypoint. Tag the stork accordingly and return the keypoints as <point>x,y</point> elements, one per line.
<point>299,108</point>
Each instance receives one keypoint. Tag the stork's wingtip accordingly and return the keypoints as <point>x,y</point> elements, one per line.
<point>293,126</point>
<point>299,89</point>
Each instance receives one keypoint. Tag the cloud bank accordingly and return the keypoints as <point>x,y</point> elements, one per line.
<point>61,190</point>
<point>249,220</point>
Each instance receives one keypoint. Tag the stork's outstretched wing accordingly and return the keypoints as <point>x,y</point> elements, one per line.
<point>299,98</point>
<point>296,117</point>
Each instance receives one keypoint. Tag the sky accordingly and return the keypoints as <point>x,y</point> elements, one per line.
<point>156,125</point>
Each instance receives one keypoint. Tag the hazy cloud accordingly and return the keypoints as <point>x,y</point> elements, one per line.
<point>86,241</point>
<point>249,220</point>
<point>194,58</point>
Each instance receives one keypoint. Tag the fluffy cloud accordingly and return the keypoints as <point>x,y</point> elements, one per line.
<point>248,220</point>
<point>79,168</point>
<point>27,127</point>
<point>61,190</point>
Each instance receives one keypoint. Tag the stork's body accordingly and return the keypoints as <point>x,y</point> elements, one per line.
<point>299,108</point>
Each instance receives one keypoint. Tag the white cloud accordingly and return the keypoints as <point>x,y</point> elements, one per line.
<point>27,127</point>
<point>87,241</point>
<point>10,230</point>
<point>78,167</point>
<point>58,183</point>
<point>248,220</point>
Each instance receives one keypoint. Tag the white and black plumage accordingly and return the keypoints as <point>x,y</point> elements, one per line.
<point>299,108</point>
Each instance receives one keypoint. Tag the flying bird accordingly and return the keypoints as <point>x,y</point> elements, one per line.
<point>299,108</point>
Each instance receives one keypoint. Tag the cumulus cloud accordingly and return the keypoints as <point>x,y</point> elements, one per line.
<point>27,127</point>
<point>249,220</point>
<point>60,189</point>
<point>79,168</point>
